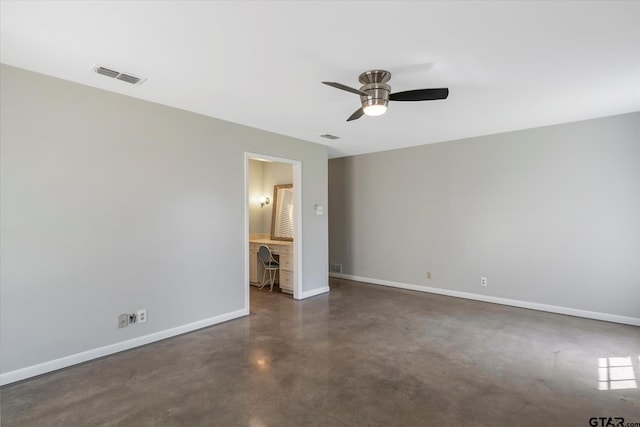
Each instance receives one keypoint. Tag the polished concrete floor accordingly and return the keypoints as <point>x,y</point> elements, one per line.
<point>362,355</point>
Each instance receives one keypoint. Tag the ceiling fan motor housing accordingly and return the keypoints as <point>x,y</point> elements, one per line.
<point>376,87</point>
<point>378,94</point>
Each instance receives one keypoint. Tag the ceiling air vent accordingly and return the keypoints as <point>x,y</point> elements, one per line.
<point>127,78</point>
<point>329,136</point>
<point>119,76</point>
<point>106,72</point>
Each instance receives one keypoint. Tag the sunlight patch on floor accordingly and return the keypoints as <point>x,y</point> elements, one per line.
<point>616,373</point>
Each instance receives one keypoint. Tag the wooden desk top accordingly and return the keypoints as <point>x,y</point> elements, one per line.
<point>268,241</point>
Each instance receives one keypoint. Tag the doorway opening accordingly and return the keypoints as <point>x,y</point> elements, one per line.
<point>264,177</point>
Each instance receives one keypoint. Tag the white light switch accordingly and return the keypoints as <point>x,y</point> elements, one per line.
<point>319,209</point>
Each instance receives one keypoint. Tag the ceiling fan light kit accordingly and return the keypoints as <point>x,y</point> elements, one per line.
<point>377,90</point>
<point>375,93</point>
<point>375,109</point>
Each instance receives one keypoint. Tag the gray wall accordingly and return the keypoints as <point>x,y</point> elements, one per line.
<point>256,213</point>
<point>111,204</point>
<point>549,215</point>
<point>262,177</point>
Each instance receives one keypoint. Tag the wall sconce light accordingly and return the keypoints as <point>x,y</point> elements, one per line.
<point>264,201</point>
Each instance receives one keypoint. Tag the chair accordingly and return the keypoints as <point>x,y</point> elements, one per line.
<point>269,264</point>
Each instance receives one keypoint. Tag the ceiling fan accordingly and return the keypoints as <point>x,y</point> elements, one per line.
<point>375,93</point>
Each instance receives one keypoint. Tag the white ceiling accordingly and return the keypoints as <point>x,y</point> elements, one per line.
<point>508,64</point>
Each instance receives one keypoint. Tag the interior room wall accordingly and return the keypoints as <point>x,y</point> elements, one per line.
<point>112,204</point>
<point>547,215</point>
<point>256,213</point>
<point>262,177</point>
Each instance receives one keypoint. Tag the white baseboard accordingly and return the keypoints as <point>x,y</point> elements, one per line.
<point>314,292</point>
<point>64,362</point>
<point>634,321</point>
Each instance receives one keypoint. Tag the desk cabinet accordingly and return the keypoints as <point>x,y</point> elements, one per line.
<point>253,263</point>
<point>286,269</point>
<point>281,251</point>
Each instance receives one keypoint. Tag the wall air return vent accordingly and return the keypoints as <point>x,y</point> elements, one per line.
<point>119,76</point>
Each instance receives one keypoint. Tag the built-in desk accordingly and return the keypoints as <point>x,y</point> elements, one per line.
<point>282,251</point>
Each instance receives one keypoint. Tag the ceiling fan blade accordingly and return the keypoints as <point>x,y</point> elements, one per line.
<point>420,95</point>
<point>359,113</point>
<point>347,88</point>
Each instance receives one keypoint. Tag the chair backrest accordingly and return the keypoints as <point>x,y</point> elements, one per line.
<point>265,254</point>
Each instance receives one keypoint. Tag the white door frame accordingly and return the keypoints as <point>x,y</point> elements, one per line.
<point>297,230</point>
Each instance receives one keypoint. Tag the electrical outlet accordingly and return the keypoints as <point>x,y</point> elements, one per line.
<point>483,281</point>
<point>428,275</point>
<point>133,318</point>
<point>142,315</point>
<point>123,320</point>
